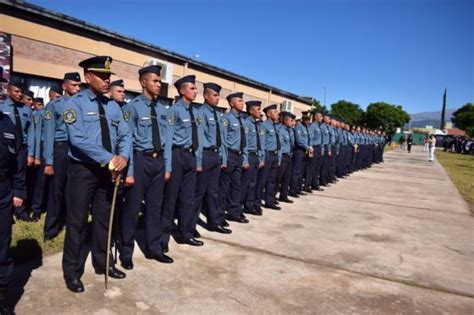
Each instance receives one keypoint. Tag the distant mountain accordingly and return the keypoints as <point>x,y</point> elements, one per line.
<point>432,115</point>
<point>421,120</point>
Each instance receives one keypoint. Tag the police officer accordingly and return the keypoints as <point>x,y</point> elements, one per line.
<point>301,155</point>
<point>287,141</point>
<point>99,149</point>
<point>147,120</point>
<point>12,194</point>
<point>21,116</point>
<point>316,142</point>
<point>184,139</point>
<point>266,182</point>
<point>55,154</point>
<point>55,92</point>
<point>326,151</point>
<point>117,92</point>
<point>235,141</point>
<point>28,99</point>
<point>213,158</point>
<point>254,157</point>
<point>37,177</point>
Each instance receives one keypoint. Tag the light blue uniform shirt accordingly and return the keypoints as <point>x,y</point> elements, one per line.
<point>26,117</point>
<point>54,127</point>
<point>209,130</point>
<point>253,130</point>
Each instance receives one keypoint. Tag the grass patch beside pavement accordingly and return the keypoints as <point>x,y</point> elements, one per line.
<point>30,234</point>
<point>460,168</point>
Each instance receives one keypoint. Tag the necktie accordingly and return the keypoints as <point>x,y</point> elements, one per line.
<point>194,135</point>
<point>243,140</point>
<point>258,135</point>
<point>218,130</point>
<point>104,127</point>
<point>307,131</point>
<point>18,131</point>
<point>277,138</point>
<point>155,128</point>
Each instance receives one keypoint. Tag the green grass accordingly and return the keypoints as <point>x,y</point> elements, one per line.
<point>460,169</point>
<point>29,235</point>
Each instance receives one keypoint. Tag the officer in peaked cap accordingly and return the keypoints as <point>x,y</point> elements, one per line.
<point>117,91</point>
<point>302,154</point>
<point>99,149</point>
<point>287,140</point>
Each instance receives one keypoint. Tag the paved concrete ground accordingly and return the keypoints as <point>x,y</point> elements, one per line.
<point>397,238</point>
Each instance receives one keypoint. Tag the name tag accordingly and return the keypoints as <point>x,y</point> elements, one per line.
<point>145,118</point>
<point>235,125</point>
<point>7,113</point>
<point>115,123</point>
<point>8,135</point>
<point>186,120</point>
<point>91,113</point>
<point>210,119</point>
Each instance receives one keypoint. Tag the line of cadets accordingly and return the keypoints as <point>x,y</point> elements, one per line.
<point>223,165</point>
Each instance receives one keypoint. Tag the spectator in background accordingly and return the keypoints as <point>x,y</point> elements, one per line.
<point>426,142</point>
<point>402,142</point>
<point>431,146</point>
<point>409,143</point>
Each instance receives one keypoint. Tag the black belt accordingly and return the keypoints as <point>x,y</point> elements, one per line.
<point>238,152</point>
<point>4,176</point>
<point>177,147</point>
<point>211,149</point>
<point>153,154</point>
<point>272,152</point>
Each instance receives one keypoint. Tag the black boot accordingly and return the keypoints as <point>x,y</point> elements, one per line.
<point>4,310</point>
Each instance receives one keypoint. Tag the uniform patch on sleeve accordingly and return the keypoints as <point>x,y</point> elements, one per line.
<point>48,115</point>
<point>36,119</point>
<point>262,131</point>
<point>200,119</point>
<point>126,116</point>
<point>225,122</point>
<point>69,116</point>
<point>171,120</point>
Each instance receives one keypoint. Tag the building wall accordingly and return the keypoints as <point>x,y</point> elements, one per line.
<point>47,52</point>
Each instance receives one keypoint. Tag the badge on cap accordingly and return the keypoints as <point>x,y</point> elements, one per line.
<point>69,116</point>
<point>107,63</point>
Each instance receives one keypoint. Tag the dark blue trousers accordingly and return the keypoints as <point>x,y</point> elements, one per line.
<point>86,185</point>
<point>149,175</point>
<point>266,182</point>
<point>324,173</point>
<point>6,206</point>
<point>179,201</point>
<point>56,205</point>
<point>22,160</point>
<point>39,183</point>
<point>207,189</point>
<point>298,171</point>
<point>249,183</point>
<point>284,175</point>
<point>332,163</point>
<point>316,166</point>
<point>230,185</point>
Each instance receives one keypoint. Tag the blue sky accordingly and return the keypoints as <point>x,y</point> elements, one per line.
<point>402,52</point>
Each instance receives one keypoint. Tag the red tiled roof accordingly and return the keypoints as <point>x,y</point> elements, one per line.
<point>455,132</point>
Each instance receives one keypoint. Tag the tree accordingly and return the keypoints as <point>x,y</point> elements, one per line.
<point>443,111</point>
<point>317,107</point>
<point>463,118</point>
<point>386,116</point>
<point>349,112</point>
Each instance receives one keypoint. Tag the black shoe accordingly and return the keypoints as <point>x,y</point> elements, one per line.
<point>325,185</point>
<point>196,234</point>
<point>274,207</point>
<point>36,216</point>
<point>166,249</point>
<point>113,273</point>
<point>127,264</point>
<point>220,229</point>
<point>75,285</point>
<point>190,241</point>
<point>287,200</point>
<point>50,237</point>
<point>162,258</point>
<point>276,202</point>
<point>294,195</point>
<point>238,220</point>
<point>252,212</point>
<point>5,311</point>
<point>308,190</point>
<point>319,189</point>
<point>225,224</point>
<point>301,193</point>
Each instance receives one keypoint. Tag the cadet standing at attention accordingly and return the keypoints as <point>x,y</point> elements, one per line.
<point>214,158</point>
<point>302,153</point>
<point>117,92</point>
<point>21,116</point>
<point>12,194</point>
<point>266,183</point>
<point>147,120</point>
<point>287,141</point>
<point>254,158</point>
<point>316,142</point>
<point>235,141</point>
<point>180,188</point>
<point>99,149</point>
<point>56,155</point>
